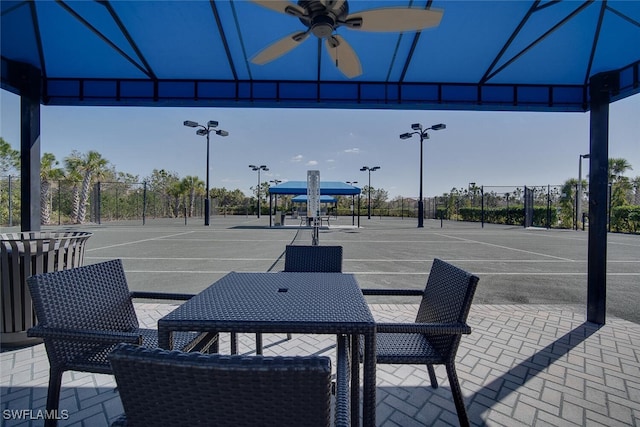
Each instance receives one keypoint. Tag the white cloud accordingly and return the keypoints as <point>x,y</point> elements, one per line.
<point>297,158</point>
<point>352,150</point>
<point>312,163</point>
<point>330,161</point>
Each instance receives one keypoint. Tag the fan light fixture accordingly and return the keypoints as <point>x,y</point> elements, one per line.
<point>323,17</point>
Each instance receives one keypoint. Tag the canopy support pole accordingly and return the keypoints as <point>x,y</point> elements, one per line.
<point>27,79</point>
<point>601,87</point>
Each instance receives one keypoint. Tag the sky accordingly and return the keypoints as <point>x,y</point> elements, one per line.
<point>486,148</point>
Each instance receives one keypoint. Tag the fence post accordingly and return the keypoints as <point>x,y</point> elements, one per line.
<point>144,202</point>
<point>97,202</point>
<point>10,205</point>
<point>482,206</point>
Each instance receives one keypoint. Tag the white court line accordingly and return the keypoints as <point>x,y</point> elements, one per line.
<point>506,247</point>
<point>138,241</point>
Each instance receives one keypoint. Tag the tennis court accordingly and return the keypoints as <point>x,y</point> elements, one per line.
<point>515,265</point>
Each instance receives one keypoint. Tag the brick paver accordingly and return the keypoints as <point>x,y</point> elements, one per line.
<point>525,365</point>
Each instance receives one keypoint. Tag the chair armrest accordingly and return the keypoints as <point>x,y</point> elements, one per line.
<point>160,295</point>
<point>91,336</point>
<point>397,292</point>
<point>424,328</point>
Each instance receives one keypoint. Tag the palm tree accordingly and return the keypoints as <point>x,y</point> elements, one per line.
<point>74,177</point>
<point>90,165</point>
<point>620,184</point>
<point>175,191</point>
<point>191,187</point>
<point>617,169</point>
<point>48,173</point>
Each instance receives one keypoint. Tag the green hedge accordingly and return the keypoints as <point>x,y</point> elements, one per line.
<point>625,219</point>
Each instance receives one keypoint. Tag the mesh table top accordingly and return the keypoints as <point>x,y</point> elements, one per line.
<point>276,302</point>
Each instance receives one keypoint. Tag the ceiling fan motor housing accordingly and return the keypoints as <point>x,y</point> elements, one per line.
<point>322,26</point>
<point>322,18</point>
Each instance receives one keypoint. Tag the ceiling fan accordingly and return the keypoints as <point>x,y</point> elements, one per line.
<point>323,17</point>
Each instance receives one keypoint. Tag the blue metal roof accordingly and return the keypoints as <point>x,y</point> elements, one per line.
<point>490,54</point>
<point>327,188</point>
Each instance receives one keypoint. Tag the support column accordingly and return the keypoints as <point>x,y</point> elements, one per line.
<point>600,88</point>
<point>29,82</point>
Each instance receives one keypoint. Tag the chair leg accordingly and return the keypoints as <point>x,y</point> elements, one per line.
<point>457,395</point>
<point>53,396</point>
<point>432,376</point>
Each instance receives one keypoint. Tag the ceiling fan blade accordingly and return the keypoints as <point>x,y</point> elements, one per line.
<point>343,56</point>
<point>280,47</point>
<point>282,6</point>
<point>394,19</point>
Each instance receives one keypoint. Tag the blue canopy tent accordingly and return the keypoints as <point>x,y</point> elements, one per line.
<point>478,55</point>
<point>327,190</point>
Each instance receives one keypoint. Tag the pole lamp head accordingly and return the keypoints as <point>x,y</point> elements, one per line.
<point>202,132</point>
<point>189,123</point>
<point>416,126</point>
<point>585,156</point>
<point>253,167</point>
<point>212,124</point>
<point>405,136</point>
<point>222,133</point>
<point>364,168</point>
<point>375,168</point>
<point>439,126</point>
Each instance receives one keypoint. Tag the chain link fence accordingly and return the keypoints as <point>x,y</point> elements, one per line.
<point>550,206</point>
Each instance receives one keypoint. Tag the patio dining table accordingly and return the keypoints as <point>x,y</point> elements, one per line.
<point>287,302</point>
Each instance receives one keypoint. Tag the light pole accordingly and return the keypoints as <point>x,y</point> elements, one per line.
<point>205,131</point>
<point>418,130</point>
<point>353,204</point>
<point>259,168</point>
<point>370,169</point>
<point>579,191</point>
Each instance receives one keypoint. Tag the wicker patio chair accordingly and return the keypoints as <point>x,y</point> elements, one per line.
<point>325,259</point>
<point>434,337</point>
<point>161,387</point>
<point>84,312</point>
<point>320,259</point>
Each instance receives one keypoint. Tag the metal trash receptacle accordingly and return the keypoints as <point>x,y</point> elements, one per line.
<point>282,216</point>
<point>21,256</point>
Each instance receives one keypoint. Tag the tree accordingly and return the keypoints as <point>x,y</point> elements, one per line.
<point>48,173</point>
<point>620,184</point>
<point>636,188</point>
<point>91,166</point>
<point>192,186</point>
<point>9,158</point>
<point>160,182</point>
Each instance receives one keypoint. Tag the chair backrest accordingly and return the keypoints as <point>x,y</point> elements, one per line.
<point>160,387</point>
<point>447,295</point>
<point>327,259</point>
<point>447,299</point>
<point>94,297</point>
